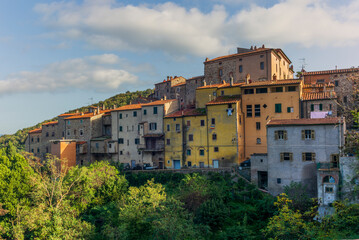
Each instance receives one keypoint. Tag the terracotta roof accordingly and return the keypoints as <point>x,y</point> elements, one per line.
<point>304,121</point>
<point>239,54</point>
<point>188,112</point>
<point>50,123</point>
<point>68,114</point>
<point>195,78</point>
<point>85,115</point>
<point>169,80</point>
<point>81,142</point>
<point>318,95</point>
<point>128,107</point>
<point>346,70</point>
<point>179,84</point>
<point>37,130</point>
<point>159,102</point>
<point>225,100</point>
<point>273,83</point>
<point>221,85</point>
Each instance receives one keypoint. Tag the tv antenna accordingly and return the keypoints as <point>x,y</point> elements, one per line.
<point>303,63</point>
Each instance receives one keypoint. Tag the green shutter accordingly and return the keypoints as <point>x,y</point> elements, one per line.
<point>303,134</point>
<point>313,135</point>
<point>303,157</point>
<point>285,135</point>
<point>313,157</point>
<point>320,107</point>
<point>275,135</point>
<point>291,156</point>
<point>281,157</point>
<point>288,109</point>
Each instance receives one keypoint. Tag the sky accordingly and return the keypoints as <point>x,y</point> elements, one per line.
<point>59,55</point>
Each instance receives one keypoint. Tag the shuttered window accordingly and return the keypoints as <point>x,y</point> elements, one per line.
<point>286,156</point>
<point>308,156</point>
<point>308,134</point>
<point>280,134</point>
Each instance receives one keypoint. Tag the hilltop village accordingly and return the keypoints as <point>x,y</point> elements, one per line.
<point>247,108</point>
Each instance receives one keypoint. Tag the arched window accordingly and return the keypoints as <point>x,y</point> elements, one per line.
<point>328,179</point>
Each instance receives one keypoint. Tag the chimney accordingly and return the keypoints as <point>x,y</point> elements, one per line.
<point>231,81</point>
<point>82,113</point>
<point>103,107</point>
<point>98,109</point>
<point>168,78</point>
<point>263,46</point>
<point>77,111</point>
<point>251,48</point>
<point>114,106</point>
<point>247,78</point>
<point>165,97</point>
<point>274,77</point>
<point>255,47</point>
<point>223,81</point>
<point>175,77</point>
<point>206,59</point>
<point>171,77</point>
<point>204,82</point>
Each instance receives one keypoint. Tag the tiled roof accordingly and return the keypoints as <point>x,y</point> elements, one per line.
<point>68,114</point>
<point>273,83</point>
<point>346,70</point>
<point>128,107</point>
<point>225,100</point>
<point>318,95</point>
<point>188,112</point>
<point>81,142</point>
<point>221,85</point>
<point>159,102</point>
<point>304,121</point>
<point>195,78</point>
<point>50,123</point>
<point>169,80</point>
<point>238,54</point>
<point>85,115</point>
<point>179,84</point>
<point>37,130</point>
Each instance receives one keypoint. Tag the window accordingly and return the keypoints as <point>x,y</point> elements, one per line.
<point>222,93</point>
<point>286,156</point>
<point>135,113</point>
<point>292,89</point>
<point>308,134</point>
<point>261,90</point>
<point>188,123</point>
<point>168,141</point>
<point>214,94</point>
<point>178,128</point>
<point>249,91</point>
<point>81,132</point>
<point>32,150</point>
<point>120,128</point>
<point>290,109</point>
<point>121,152</point>
<point>277,89</point>
<point>201,152</point>
<point>120,141</point>
<point>189,164</point>
<point>320,81</point>
<point>81,121</point>
<point>261,56</point>
<point>214,136</point>
<point>220,72</point>
<point>261,65</point>
<point>278,108</point>
<point>120,116</point>
<point>259,141</point>
<point>153,126</point>
<point>249,110</point>
<point>280,135</point>
<point>240,68</point>
<point>38,150</point>
<point>68,133</point>
<point>144,111</point>
<point>213,121</point>
<point>258,125</point>
<point>328,179</point>
<point>38,139</point>
<point>307,156</point>
<point>330,106</point>
<point>128,142</point>
<point>334,161</point>
<point>97,145</point>
<point>47,134</point>
<point>168,128</point>
<point>328,189</point>
<point>190,137</point>
<point>75,132</point>
<point>345,99</point>
<point>53,134</point>
<point>202,123</point>
<point>68,122</point>
<point>216,149</point>
<point>137,141</point>
<point>312,107</point>
<point>189,152</point>
<point>336,83</point>
<point>155,110</point>
<point>32,139</point>
<point>279,180</point>
<point>257,110</point>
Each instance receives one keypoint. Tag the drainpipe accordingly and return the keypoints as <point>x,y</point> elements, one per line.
<point>207,136</point>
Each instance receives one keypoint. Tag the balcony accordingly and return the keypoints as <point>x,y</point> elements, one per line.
<point>328,166</point>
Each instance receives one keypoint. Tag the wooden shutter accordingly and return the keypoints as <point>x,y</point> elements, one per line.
<point>303,157</point>
<point>312,107</point>
<point>275,135</point>
<point>281,157</point>
<point>291,156</point>
<point>313,157</point>
<point>285,135</point>
<point>303,134</point>
<point>320,107</point>
<point>313,135</point>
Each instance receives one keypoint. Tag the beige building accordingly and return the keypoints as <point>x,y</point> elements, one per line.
<point>256,64</point>
<point>33,142</point>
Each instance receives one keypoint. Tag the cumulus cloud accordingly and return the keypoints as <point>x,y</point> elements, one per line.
<point>99,73</point>
<point>176,30</point>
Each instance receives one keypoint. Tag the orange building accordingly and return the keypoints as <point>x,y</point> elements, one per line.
<point>65,150</point>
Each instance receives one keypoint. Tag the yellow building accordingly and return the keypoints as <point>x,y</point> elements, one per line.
<point>263,101</point>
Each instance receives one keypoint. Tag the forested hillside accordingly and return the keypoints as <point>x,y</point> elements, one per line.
<point>18,139</point>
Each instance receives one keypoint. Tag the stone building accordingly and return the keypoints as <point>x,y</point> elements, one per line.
<point>49,132</point>
<point>191,85</point>
<point>170,88</point>
<point>301,150</point>
<point>256,64</point>
<point>33,142</point>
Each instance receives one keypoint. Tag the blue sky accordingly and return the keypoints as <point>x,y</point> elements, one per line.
<point>58,55</point>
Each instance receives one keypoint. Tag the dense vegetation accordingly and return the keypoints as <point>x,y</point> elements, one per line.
<point>38,201</point>
<point>18,139</point>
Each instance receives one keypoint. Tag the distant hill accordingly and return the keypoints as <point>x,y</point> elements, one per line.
<point>18,139</point>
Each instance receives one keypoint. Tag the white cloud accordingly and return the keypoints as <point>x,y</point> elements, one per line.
<point>179,31</point>
<point>89,73</point>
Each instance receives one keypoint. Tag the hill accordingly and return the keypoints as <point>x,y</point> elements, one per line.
<point>18,139</point>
